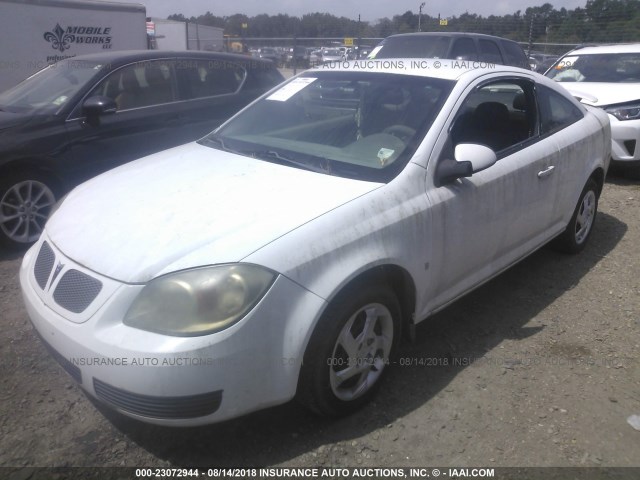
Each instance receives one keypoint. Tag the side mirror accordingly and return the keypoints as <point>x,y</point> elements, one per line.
<point>449,170</point>
<point>470,158</point>
<point>479,156</point>
<point>98,105</point>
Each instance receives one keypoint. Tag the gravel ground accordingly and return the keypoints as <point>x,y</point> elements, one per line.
<point>537,368</point>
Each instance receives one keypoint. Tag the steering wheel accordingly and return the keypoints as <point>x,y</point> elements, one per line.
<point>402,132</point>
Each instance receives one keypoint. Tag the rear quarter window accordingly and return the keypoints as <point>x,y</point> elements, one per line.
<point>556,112</point>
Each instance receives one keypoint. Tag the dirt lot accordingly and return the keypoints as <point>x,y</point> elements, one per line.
<point>540,367</point>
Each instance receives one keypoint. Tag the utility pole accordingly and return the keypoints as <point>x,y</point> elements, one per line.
<point>531,35</point>
<point>420,16</point>
<point>359,39</point>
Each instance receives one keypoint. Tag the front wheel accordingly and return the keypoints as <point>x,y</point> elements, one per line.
<point>350,351</point>
<point>575,237</point>
<point>25,203</point>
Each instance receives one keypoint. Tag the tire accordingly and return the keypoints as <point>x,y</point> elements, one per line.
<point>365,321</point>
<point>577,233</point>
<point>26,200</point>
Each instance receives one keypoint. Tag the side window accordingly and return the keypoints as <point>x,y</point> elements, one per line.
<point>208,78</point>
<point>514,55</point>
<point>556,112</point>
<point>138,85</point>
<point>262,77</point>
<point>489,51</point>
<point>464,49</point>
<point>499,115</point>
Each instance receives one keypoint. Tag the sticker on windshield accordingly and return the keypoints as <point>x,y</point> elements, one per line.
<point>384,154</point>
<point>567,62</point>
<point>291,88</point>
<point>60,100</point>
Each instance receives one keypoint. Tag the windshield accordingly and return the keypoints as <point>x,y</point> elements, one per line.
<point>351,124</point>
<point>334,52</point>
<point>606,67</point>
<point>49,89</point>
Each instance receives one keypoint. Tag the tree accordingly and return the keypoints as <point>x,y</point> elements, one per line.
<point>598,21</point>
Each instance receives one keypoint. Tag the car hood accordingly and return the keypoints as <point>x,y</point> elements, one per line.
<point>186,207</point>
<point>10,119</point>
<point>603,94</point>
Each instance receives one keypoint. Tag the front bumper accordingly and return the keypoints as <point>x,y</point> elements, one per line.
<point>625,142</point>
<point>175,381</point>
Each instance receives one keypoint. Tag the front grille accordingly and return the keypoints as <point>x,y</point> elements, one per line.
<point>44,264</point>
<point>69,367</point>
<point>76,291</point>
<point>191,406</point>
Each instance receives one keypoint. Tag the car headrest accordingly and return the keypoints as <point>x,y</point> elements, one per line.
<point>495,111</point>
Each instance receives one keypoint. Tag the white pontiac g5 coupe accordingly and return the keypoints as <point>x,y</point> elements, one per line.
<point>286,253</point>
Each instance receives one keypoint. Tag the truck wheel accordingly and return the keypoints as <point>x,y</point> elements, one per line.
<point>25,203</point>
<point>575,237</point>
<point>349,351</point>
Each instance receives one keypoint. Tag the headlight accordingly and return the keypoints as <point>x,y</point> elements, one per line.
<point>199,302</point>
<point>625,112</point>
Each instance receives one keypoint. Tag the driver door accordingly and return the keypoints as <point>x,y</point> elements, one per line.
<point>486,222</point>
<point>146,120</point>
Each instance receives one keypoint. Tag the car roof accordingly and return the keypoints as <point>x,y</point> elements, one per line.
<point>423,67</point>
<point>619,48</point>
<point>450,34</point>
<point>116,58</point>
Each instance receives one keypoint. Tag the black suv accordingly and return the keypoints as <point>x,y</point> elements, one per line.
<point>461,46</point>
<point>87,114</point>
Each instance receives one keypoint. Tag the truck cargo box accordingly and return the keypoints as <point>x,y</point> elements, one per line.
<point>36,33</point>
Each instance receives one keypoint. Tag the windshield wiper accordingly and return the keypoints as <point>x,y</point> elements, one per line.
<point>218,143</point>
<point>272,154</point>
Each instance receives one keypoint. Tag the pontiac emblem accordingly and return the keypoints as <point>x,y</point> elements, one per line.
<point>56,272</point>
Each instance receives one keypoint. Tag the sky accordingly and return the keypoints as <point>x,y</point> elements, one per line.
<point>370,10</point>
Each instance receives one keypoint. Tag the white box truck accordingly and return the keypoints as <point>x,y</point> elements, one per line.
<point>36,33</point>
<point>173,35</point>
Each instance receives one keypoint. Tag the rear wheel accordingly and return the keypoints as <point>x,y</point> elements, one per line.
<point>575,237</point>
<point>350,350</point>
<point>25,203</point>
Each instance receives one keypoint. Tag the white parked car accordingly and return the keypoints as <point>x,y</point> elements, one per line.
<point>332,55</point>
<point>608,77</point>
<point>289,251</point>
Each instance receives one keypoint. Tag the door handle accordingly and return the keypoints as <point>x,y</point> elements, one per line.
<point>546,172</point>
